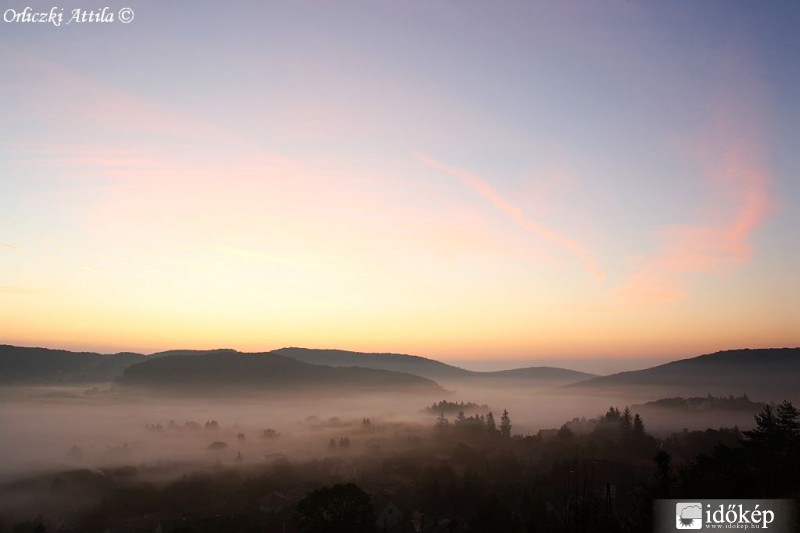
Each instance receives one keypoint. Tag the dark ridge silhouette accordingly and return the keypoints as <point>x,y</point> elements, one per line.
<point>34,366</point>
<point>413,364</point>
<point>768,373</point>
<point>431,368</point>
<point>42,366</point>
<point>221,370</point>
<point>703,404</point>
<point>170,353</point>
<point>543,373</point>
<point>763,373</point>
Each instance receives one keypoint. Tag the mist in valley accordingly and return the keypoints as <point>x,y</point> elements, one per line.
<point>48,428</point>
<point>221,440</point>
<point>163,437</point>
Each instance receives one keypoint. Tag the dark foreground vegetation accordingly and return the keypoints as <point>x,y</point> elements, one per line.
<point>465,473</point>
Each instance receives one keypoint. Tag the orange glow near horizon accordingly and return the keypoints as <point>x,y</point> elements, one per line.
<point>336,189</point>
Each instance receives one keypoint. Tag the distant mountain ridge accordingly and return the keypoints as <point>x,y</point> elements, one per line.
<point>770,373</point>
<point>766,373</point>
<point>22,365</point>
<point>170,353</point>
<point>541,373</point>
<point>230,370</point>
<point>414,364</point>
<point>433,369</point>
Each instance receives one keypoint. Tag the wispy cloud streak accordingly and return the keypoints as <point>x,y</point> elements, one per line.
<point>11,247</point>
<point>720,241</point>
<point>13,290</point>
<point>515,213</point>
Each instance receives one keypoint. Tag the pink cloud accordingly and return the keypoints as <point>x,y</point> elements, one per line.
<point>515,213</point>
<point>721,240</point>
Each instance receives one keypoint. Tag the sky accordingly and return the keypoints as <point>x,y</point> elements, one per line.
<point>493,181</point>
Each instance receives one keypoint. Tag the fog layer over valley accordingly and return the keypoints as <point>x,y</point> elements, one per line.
<point>250,393</point>
<point>112,426</point>
<point>174,414</point>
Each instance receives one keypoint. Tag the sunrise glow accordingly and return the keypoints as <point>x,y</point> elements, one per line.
<point>450,180</point>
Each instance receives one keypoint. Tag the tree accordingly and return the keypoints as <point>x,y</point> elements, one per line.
<point>441,421</point>
<point>788,422</point>
<point>765,434</point>
<point>491,425</point>
<point>341,508</point>
<point>663,480</point>
<point>626,423</point>
<point>777,429</point>
<point>772,449</point>
<point>638,427</point>
<point>505,424</point>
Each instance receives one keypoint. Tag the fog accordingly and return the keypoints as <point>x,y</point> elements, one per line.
<point>51,428</point>
<point>61,448</point>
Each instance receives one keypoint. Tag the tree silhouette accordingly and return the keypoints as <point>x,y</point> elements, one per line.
<point>766,465</point>
<point>626,423</point>
<point>341,508</point>
<point>505,424</point>
<point>663,475</point>
<point>491,425</point>
<point>765,434</point>
<point>772,449</point>
<point>638,427</point>
<point>788,423</point>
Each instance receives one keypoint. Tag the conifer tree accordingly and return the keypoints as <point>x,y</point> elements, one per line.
<point>638,426</point>
<point>491,425</point>
<point>441,421</point>
<point>626,423</point>
<point>505,424</point>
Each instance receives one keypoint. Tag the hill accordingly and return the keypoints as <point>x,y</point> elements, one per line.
<point>768,374</point>
<point>432,369</point>
<point>170,353</point>
<point>20,365</point>
<point>34,366</point>
<point>543,374</point>
<point>229,370</point>
<point>412,364</point>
